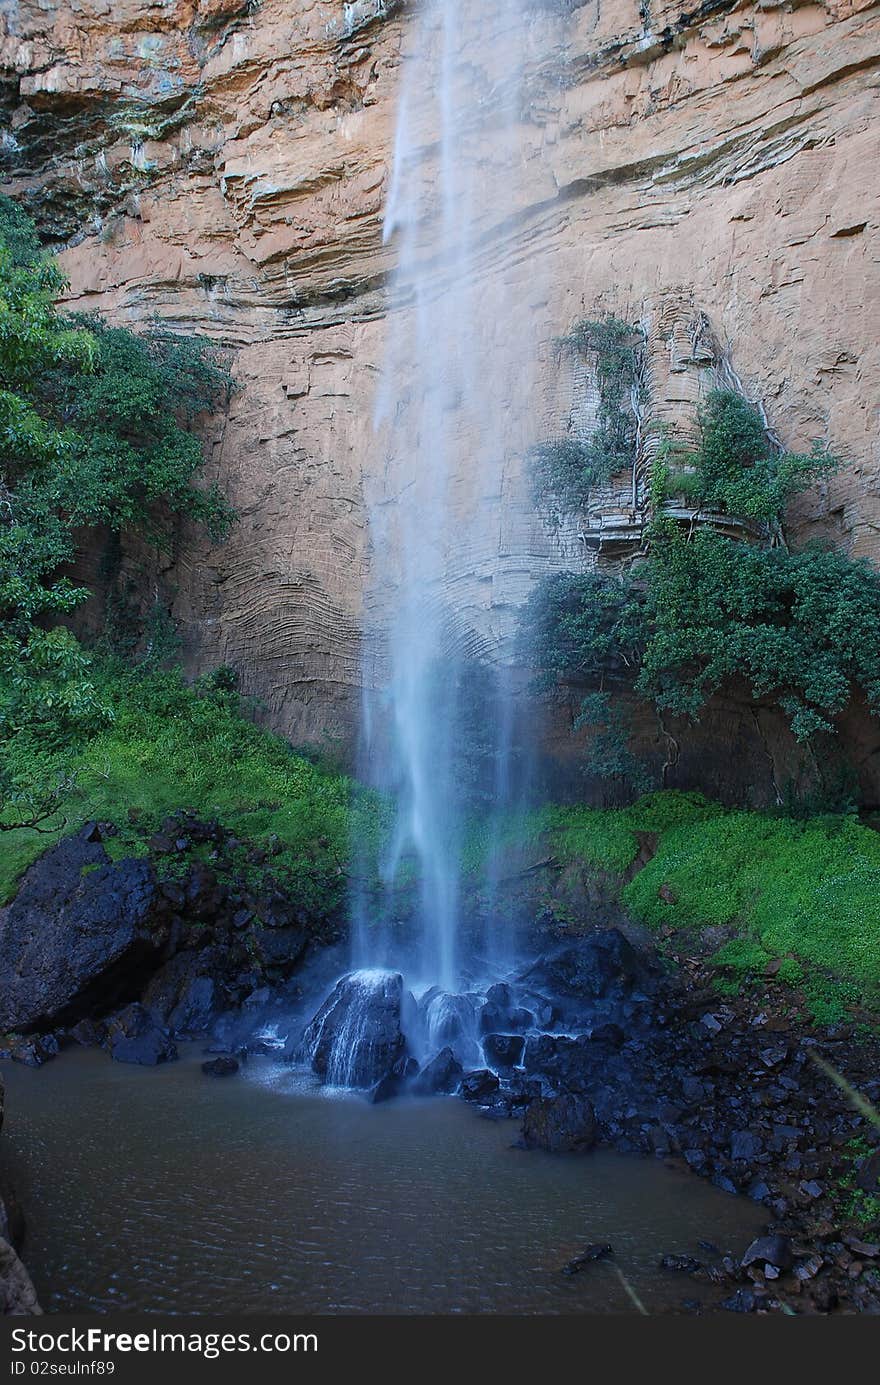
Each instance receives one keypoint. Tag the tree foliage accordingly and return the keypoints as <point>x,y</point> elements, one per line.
<point>738,470</point>
<point>799,628</point>
<point>566,470</point>
<point>94,430</point>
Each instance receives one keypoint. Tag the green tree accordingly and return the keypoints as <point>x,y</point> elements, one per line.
<point>94,431</point>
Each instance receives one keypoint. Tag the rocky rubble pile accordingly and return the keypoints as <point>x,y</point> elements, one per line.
<point>136,953</point>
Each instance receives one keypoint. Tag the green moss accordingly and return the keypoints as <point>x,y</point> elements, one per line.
<point>806,892</point>
<point>171,747</point>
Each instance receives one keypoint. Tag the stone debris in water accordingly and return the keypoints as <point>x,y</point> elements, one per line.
<point>601,1250</point>
<point>220,1067</point>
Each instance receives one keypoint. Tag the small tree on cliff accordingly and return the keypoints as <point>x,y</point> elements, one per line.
<point>94,431</point>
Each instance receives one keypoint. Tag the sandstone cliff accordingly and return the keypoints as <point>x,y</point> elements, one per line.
<point>222,166</point>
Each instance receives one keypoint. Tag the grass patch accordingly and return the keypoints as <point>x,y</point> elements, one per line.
<point>173,747</point>
<point>803,895</point>
<point>804,892</point>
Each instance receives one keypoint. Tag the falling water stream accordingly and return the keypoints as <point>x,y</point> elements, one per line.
<point>448,422</point>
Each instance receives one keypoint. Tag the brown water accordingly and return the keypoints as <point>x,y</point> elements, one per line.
<point>163,1190</point>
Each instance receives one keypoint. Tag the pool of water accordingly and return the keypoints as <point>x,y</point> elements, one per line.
<point>163,1190</point>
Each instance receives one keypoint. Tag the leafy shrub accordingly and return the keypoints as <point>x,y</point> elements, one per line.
<point>737,469</point>
<point>94,430</point>
<point>565,470</point>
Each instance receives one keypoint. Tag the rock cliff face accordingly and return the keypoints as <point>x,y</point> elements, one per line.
<point>222,166</point>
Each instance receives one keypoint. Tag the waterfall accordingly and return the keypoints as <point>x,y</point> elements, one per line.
<point>439,722</point>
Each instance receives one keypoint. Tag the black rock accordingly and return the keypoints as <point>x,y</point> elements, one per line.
<point>133,1036</point>
<point>503,1051</point>
<point>565,1062</point>
<point>356,1035</point>
<point>600,1251</point>
<point>682,1264</point>
<point>72,941</point>
<point>386,1088</point>
<point>441,1075</point>
<point>220,1067</point>
<point>744,1144</point>
<point>280,948</point>
<point>609,1034</point>
<point>32,1050</point>
<point>88,1033</point>
<point>183,995</point>
<point>500,995</point>
<point>744,1301</point>
<point>479,1085</point>
<point>868,1173</point>
<point>603,962</point>
<point>769,1250</point>
<point>560,1124</point>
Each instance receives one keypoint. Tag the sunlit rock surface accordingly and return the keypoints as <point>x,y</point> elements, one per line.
<point>224,169</point>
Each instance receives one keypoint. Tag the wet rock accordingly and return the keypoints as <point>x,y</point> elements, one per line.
<point>500,1015</point>
<point>681,1264</point>
<point>568,1063</point>
<point>133,1036</point>
<point>182,995</point>
<point>280,949</point>
<point>609,1034</point>
<point>451,1019</point>
<point>441,1076</point>
<point>744,1301</point>
<point>33,1051</point>
<point>601,1250</point>
<point>480,1085</point>
<point>588,970</point>
<point>744,1144</point>
<point>18,1297</point>
<point>80,930</point>
<point>772,1250</point>
<point>224,1066</point>
<point>501,995</point>
<point>503,1051</point>
<point>356,1037</point>
<point>392,1083</point>
<point>560,1124</point>
<point>88,1033</point>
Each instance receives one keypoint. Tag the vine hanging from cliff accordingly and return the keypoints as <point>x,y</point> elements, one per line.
<point>566,470</point>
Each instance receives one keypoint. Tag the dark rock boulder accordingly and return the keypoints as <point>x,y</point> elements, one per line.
<point>441,1076</point>
<point>772,1250</point>
<point>610,1035</point>
<point>133,1036</point>
<point>591,969</point>
<point>566,1062</point>
<point>479,1086</point>
<point>224,1066</point>
<point>503,1052</point>
<point>356,1037</point>
<point>600,1250</point>
<point>33,1050</point>
<point>561,1124</point>
<point>78,932</point>
<point>88,1033</point>
<point>279,949</point>
<point>18,1297</point>
<point>183,996</point>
